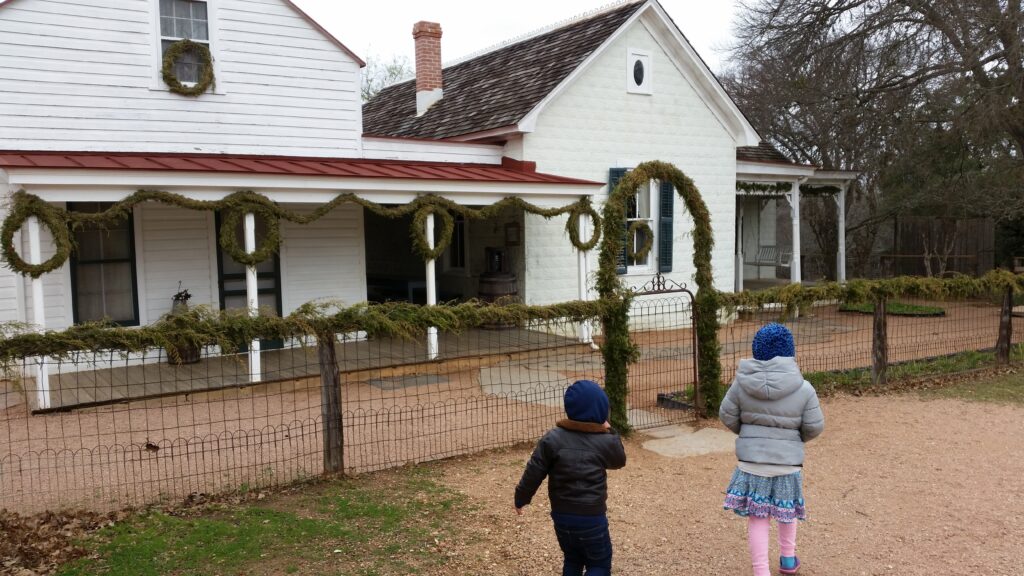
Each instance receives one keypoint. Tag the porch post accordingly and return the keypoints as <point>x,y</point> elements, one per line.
<point>431,290</point>
<point>38,313</point>
<point>739,243</point>
<point>841,226</point>
<point>252,296</point>
<point>794,205</point>
<point>583,269</point>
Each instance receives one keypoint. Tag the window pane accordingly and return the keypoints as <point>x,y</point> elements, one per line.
<point>199,30</point>
<point>182,9</point>
<point>115,244</point>
<point>631,207</point>
<point>644,202</point>
<point>89,292</point>
<point>199,11</point>
<point>118,297</point>
<point>90,246</point>
<point>166,28</point>
<point>166,8</point>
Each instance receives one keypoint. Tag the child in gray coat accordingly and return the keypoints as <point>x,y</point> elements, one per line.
<point>774,411</point>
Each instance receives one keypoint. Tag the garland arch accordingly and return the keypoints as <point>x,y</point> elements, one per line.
<point>617,298</point>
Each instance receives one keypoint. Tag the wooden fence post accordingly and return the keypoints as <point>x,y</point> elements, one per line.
<point>1005,328</point>
<point>330,405</point>
<point>879,343</point>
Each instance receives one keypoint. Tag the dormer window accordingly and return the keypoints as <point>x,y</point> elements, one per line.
<point>180,20</point>
<point>638,72</point>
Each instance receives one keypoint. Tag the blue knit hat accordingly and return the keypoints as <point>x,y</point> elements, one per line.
<point>773,340</point>
<point>585,401</point>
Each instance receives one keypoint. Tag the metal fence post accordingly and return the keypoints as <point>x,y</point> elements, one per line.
<point>1005,328</point>
<point>879,343</point>
<point>330,405</point>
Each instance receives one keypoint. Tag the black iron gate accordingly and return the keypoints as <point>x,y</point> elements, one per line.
<point>663,383</point>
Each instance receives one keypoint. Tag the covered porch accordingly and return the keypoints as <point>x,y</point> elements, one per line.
<point>769,226</point>
<point>306,217</point>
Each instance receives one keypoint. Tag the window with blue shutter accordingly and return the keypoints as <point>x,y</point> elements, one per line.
<point>666,204</point>
<point>614,175</point>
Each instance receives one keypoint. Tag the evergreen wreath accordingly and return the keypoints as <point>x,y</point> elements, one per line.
<point>23,206</point>
<point>202,53</point>
<point>572,226</point>
<point>645,248</point>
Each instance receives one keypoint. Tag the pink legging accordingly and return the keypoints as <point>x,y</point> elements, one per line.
<point>757,538</point>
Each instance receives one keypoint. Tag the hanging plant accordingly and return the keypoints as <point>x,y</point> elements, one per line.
<point>201,52</point>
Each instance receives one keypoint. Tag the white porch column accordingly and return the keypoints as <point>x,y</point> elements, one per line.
<point>583,269</point>
<point>841,226</point>
<point>431,290</point>
<point>794,205</point>
<point>252,296</point>
<point>739,243</point>
<point>38,313</point>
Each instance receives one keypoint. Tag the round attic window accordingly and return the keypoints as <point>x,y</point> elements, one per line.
<point>638,72</point>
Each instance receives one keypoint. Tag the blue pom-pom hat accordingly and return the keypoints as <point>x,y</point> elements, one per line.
<point>773,340</point>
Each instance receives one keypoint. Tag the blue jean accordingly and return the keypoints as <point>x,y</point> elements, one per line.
<point>585,547</point>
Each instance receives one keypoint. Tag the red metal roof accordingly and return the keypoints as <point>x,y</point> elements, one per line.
<point>508,171</point>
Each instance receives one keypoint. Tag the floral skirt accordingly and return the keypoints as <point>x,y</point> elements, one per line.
<point>781,497</point>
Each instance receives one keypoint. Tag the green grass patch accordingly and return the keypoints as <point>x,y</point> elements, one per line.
<point>1002,389</point>
<point>895,309</point>
<point>378,525</point>
<point>859,379</point>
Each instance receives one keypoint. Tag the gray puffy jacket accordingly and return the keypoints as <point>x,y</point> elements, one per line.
<point>773,409</point>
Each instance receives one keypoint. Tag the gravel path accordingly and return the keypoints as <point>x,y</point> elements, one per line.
<point>896,485</point>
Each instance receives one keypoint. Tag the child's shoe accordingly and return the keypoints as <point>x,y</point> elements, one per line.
<point>788,564</point>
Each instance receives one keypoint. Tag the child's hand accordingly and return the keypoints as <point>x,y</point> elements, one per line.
<point>519,511</point>
<point>607,425</point>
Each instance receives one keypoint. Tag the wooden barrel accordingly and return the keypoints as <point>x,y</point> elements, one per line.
<point>497,285</point>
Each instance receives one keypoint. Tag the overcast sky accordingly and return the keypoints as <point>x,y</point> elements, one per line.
<point>384,28</point>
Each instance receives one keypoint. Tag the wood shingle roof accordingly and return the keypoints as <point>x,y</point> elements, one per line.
<point>498,88</point>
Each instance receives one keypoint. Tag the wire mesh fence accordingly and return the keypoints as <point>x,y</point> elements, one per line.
<point>833,337</point>
<point>106,430</point>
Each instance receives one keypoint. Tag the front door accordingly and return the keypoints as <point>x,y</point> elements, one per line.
<point>231,276</point>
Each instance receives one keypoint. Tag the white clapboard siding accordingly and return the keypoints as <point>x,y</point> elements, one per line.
<point>324,260</point>
<point>84,76</point>
<point>431,151</point>
<point>176,245</point>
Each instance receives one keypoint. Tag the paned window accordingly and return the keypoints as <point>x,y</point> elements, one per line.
<point>179,20</point>
<point>103,270</point>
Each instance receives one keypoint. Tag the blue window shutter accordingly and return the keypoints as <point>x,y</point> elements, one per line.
<point>614,175</point>
<point>666,204</point>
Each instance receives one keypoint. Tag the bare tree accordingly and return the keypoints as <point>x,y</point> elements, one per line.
<point>379,74</point>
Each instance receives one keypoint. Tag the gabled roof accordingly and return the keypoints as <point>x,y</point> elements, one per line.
<point>330,37</point>
<point>496,89</point>
<point>763,152</point>
<point>510,171</point>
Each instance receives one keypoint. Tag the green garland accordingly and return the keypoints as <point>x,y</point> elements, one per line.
<point>793,297</point>
<point>618,349</point>
<point>762,188</point>
<point>231,330</point>
<point>202,53</point>
<point>234,206</point>
<point>639,226</point>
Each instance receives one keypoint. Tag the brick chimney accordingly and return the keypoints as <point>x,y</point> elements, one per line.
<point>428,64</point>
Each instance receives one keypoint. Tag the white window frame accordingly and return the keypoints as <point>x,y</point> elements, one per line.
<point>213,41</point>
<point>653,192</point>
<point>647,86</point>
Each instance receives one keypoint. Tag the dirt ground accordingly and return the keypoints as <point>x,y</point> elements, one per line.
<point>896,485</point>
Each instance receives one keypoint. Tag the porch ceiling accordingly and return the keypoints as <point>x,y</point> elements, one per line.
<point>60,176</point>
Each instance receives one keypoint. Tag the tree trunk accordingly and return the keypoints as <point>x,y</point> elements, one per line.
<point>879,344</point>
<point>330,405</point>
